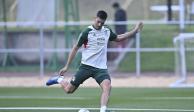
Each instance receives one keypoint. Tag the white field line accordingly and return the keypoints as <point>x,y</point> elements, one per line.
<point>85,98</point>
<point>165,98</point>
<point>111,109</point>
<point>43,97</point>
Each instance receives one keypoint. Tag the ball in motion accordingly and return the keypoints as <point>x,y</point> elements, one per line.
<point>83,110</point>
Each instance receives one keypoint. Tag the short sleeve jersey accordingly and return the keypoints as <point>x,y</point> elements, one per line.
<point>94,43</point>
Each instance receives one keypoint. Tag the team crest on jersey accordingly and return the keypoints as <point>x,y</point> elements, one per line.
<point>106,32</point>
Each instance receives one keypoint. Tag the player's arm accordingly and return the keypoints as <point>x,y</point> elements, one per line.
<point>129,34</point>
<point>81,40</point>
<point>69,60</point>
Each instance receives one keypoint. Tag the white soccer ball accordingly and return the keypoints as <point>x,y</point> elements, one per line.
<point>83,110</point>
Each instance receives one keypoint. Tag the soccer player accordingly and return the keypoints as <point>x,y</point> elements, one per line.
<point>93,40</point>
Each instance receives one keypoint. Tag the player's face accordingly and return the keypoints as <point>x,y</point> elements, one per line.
<point>98,23</point>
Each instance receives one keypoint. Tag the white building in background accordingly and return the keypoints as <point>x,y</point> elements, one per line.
<point>35,10</point>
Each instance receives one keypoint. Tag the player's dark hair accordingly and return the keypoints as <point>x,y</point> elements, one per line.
<point>102,14</point>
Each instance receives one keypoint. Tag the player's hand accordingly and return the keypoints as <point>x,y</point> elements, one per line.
<point>139,26</point>
<point>63,70</point>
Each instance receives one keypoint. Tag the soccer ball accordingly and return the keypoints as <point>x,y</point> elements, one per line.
<point>83,110</point>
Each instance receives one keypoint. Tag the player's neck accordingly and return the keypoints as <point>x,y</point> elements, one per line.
<point>97,28</point>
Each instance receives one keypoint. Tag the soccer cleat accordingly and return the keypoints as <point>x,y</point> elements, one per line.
<point>52,80</point>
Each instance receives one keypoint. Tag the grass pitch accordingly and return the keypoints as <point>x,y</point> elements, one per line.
<point>121,100</point>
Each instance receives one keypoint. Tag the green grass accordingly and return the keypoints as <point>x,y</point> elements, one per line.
<point>152,36</point>
<point>155,62</point>
<point>131,98</point>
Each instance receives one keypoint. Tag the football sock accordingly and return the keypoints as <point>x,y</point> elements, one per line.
<point>103,109</point>
<point>60,79</point>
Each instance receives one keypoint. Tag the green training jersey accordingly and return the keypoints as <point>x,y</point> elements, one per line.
<point>94,46</point>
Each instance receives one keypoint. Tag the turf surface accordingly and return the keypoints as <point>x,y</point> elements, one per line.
<point>131,99</point>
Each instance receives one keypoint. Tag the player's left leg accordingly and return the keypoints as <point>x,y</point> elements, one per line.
<point>103,79</point>
<point>106,88</point>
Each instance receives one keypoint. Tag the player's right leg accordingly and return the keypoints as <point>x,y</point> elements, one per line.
<point>54,80</point>
<point>69,87</point>
<point>66,85</point>
<point>81,75</point>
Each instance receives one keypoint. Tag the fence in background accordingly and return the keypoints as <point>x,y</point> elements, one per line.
<point>41,50</point>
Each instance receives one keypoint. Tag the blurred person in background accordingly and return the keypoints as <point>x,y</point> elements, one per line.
<point>120,16</point>
<point>93,41</point>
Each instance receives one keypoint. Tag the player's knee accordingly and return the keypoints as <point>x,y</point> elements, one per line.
<point>106,85</point>
<point>70,89</point>
<point>69,92</point>
<point>109,86</point>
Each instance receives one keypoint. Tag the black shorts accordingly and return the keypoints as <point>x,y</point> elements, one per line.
<point>86,71</point>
